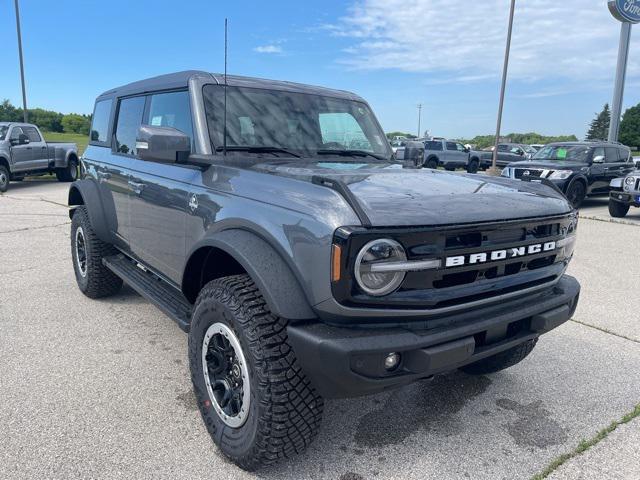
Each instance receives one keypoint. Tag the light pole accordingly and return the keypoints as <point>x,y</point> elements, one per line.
<point>25,114</point>
<point>628,12</point>
<point>419,118</point>
<point>494,169</point>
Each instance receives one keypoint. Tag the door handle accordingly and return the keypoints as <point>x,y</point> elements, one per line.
<point>136,187</point>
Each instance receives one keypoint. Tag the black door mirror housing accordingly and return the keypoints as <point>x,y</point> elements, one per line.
<point>21,140</point>
<point>162,144</point>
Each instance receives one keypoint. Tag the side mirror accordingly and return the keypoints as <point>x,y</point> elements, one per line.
<point>162,144</point>
<point>598,159</point>
<point>21,140</point>
<point>467,149</point>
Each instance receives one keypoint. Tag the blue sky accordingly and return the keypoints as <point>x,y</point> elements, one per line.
<point>395,53</point>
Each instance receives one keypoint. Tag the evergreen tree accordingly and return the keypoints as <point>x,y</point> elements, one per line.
<point>599,128</point>
<point>630,127</point>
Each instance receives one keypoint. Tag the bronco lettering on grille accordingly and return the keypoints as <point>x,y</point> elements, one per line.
<point>496,255</point>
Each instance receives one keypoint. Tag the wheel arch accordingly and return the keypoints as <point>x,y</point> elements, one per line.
<point>5,162</point>
<point>432,156</point>
<point>85,193</point>
<point>236,251</point>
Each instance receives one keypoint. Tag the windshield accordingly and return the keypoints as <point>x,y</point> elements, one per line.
<point>3,131</point>
<point>564,153</point>
<point>301,124</point>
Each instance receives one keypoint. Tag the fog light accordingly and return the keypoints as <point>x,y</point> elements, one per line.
<point>391,361</point>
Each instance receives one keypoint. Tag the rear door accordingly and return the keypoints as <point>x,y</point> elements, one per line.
<point>614,166</point>
<point>160,192</point>
<point>39,150</point>
<point>21,155</point>
<point>451,154</point>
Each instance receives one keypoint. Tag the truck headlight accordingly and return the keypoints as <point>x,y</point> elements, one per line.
<point>560,175</point>
<point>629,181</point>
<point>370,268</point>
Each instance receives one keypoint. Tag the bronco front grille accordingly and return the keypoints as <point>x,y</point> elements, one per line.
<point>461,284</point>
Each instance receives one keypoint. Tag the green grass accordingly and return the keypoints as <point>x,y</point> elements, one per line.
<point>81,140</point>
<point>585,445</point>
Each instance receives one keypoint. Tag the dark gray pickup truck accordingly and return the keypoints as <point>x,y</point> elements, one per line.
<point>271,221</point>
<point>23,152</point>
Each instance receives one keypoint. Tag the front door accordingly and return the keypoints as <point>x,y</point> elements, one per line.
<point>160,193</point>
<point>21,155</point>
<point>39,150</point>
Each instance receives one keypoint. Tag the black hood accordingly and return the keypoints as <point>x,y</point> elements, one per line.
<point>394,196</point>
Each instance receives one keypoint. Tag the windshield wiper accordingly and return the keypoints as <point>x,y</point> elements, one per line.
<point>240,148</point>
<point>351,153</point>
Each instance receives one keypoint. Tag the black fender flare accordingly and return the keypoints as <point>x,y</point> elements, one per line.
<point>85,192</point>
<point>266,267</point>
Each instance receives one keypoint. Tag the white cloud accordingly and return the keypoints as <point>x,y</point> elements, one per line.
<point>569,39</point>
<point>268,49</point>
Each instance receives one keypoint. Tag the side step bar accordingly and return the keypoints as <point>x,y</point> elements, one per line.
<point>154,289</point>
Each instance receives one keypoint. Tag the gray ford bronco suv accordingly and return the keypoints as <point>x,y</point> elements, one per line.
<point>272,222</point>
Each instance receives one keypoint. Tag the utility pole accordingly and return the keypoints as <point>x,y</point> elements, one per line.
<point>25,114</point>
<point>419,118</point>
<point>494,169</point>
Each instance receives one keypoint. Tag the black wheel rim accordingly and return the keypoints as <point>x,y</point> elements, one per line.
<point>81,252</point>
<point>226,374</point>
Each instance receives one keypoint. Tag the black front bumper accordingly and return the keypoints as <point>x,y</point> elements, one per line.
<point>625,198</point>
<point>347,362</point>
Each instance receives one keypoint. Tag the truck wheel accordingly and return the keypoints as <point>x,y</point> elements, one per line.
<point>473,166</point>
<point>4,178</point>
<point>87,250</point>
<point>257,404</point>
<point>502,360</point>
<point>431,163</point>
<point>576,194</point>
<point>617,209</point>
<point>68,174</point>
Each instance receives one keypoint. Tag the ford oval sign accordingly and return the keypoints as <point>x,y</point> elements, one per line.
<point>625,10</point>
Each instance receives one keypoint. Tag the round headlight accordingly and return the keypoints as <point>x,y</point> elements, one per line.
<point>629,181</point>
<point>372,276</point>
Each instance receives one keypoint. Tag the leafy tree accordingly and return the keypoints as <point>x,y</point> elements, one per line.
<point>630,127</point>
<point>9,113</point>
<point>599,128</point>
<point>74,123</point>
<point>484,141</point>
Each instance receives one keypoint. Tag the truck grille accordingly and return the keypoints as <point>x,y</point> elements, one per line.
<point>521,172</point>
<point>457,285</point>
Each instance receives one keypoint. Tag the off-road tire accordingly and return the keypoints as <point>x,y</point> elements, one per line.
<point>70,173</point>
<point>473,166</point>
<point>5,178</point>
<point>502,360</point>
<point>576,193</point>
<point>98,281</point>
<point>617,209</point>
<point>431,163</point>
<point>285,410</point>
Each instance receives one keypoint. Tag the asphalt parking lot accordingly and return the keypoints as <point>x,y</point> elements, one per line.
<point>101,389</point>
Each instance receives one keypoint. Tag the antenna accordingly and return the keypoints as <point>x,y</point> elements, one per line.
<point>224,140</point>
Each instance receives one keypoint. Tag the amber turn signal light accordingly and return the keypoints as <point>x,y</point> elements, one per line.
<point>336,259</point>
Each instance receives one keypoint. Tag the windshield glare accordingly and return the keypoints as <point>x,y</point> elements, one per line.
<point>302,123</point>
<point>564,153</point>
<point>3,131</point>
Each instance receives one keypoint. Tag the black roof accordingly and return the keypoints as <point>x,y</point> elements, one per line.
<point>181,80</point>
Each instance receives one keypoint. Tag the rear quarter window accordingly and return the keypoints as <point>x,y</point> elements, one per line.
<point>100,122</point>
<point>437,146</point>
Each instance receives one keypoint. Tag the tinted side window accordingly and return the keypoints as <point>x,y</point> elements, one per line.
<point>15,133</point>
<point>612,155</point>
<point>33,134</point>
<point>100,123</point>
<point>624,154</point>
<point>451,146</point>
<point>171,110</point>
<point>129,121</point>
<point>437,146</point>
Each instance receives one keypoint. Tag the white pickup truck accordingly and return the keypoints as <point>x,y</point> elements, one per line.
<point>23,152</point>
